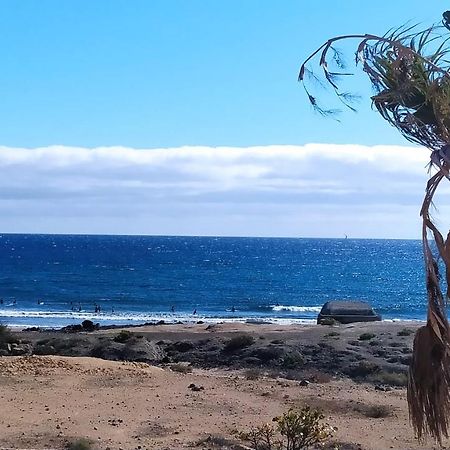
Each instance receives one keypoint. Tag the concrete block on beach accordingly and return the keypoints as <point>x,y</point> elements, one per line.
<point>347,311</point>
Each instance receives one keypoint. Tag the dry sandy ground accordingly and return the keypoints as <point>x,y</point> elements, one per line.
<point>49,400</point>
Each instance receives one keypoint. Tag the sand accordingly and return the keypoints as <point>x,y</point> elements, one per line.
<point>48,401</point>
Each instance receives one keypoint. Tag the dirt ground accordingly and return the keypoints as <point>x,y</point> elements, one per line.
<point>48,401</point>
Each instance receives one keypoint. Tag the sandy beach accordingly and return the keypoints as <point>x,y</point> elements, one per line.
<point>197,392</point>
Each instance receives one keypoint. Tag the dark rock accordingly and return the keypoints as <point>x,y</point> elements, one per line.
<point>304,383</point>
<point>344,311</point>
<point>88,325</point>
<point>72,329</point>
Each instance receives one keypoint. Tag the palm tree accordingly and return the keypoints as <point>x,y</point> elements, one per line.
<point>410,73</point>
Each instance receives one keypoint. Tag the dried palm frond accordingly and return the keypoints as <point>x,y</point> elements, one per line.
<point>410,74</point>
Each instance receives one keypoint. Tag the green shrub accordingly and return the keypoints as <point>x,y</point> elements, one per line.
<point>123,336</point>
<point>239,342</point>
<point>292,360</point>
<point>294,430</point>
<point>405,332</point>
<point>391,378</point>
<point>363,369</point>
<point>366,336</point>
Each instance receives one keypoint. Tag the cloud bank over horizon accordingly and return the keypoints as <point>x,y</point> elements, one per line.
<point>315,190</point>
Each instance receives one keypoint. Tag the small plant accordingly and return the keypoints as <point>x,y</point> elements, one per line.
<point>332,334</point>
<point>363,369</point>
<point>391,378</point>
<point>123,336</point>
<point>239,342</point>
<point>294,430</point>
<point>328,321</point>
<point>180,368</point>
<point>292,360</point>
<point>252,374</point>
<point>374,411</point>
<point>366,336</point>
<point>80,444</point>
<point>405,332</point>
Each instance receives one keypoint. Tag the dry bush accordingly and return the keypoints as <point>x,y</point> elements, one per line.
<point>391,378</point>
<point>294,430</point>
<point>238,342</point>
<point>123,336</point>
<point>366,336</point>
<point>374,411</point>
<point>181,368</point>
<point>253,374</point>
<point>80,444</point>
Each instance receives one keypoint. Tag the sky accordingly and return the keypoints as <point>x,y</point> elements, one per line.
<point>180,117</point>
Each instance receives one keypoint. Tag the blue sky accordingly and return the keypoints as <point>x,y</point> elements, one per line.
<point>169,74</point>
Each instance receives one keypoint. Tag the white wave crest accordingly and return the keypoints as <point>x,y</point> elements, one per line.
<point>52,319</point>
<point>294,308</point>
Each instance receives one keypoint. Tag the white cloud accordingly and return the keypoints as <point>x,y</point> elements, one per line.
<point>311,190</point>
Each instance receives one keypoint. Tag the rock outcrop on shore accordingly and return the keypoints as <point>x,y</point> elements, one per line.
<point>375,352</point>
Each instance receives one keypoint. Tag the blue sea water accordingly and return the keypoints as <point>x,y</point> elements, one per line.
<point>56,280</point>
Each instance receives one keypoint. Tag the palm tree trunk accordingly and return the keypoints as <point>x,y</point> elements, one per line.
<point>429,373</point>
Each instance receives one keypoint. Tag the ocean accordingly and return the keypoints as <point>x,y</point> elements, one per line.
<point>57,280</point>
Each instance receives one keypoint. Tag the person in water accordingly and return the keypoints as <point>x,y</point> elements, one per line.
<point>233,309</point>
<point>195,312</point>
<point>172,309</point>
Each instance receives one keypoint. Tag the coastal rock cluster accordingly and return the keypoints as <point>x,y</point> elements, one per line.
<point>369,352</point>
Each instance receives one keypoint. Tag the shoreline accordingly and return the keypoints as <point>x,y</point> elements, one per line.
<point>35,319</point>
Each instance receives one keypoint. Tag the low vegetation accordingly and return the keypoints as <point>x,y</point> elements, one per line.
<point>405,332</point>
<point>390,378</point>
<point>123,336</point>
<point>80,444</point>
<point>294,430</point>
<point>366,336</point>
<point>181,368</point>
<point>328,321</point>
<point>332,334</point>
<point>238,342</point>
<point>253,374</point>
<point>292,360</point>
<point>374,411</point>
